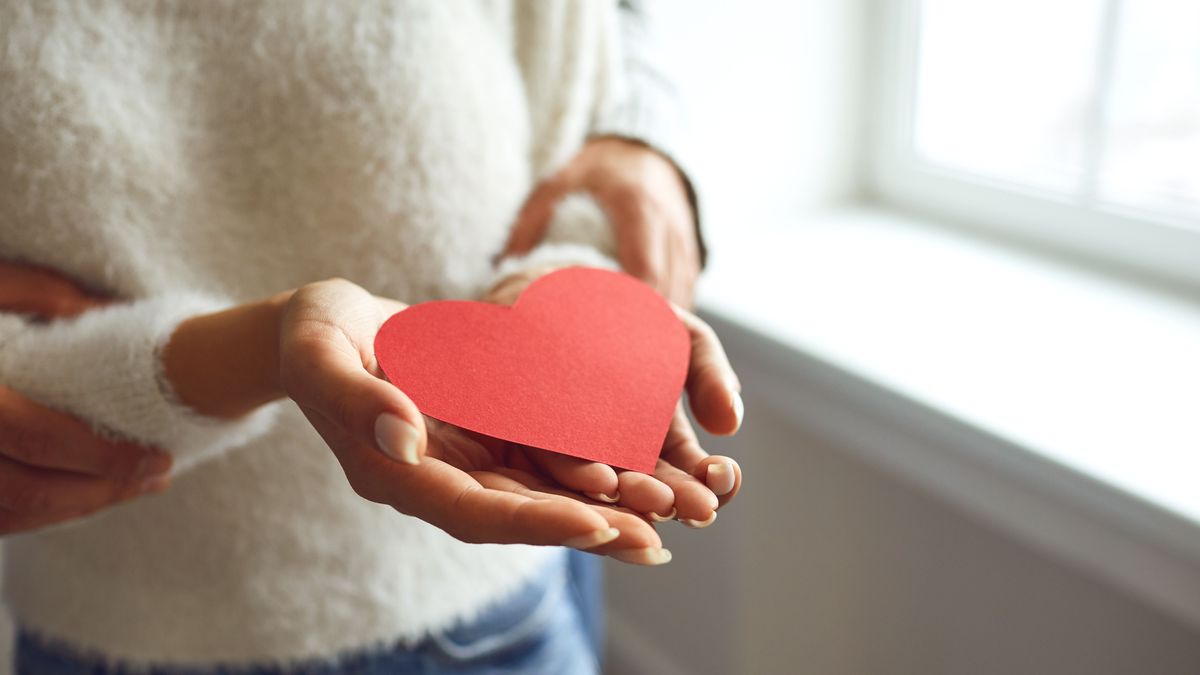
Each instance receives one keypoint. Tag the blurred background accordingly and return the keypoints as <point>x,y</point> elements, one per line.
<point>955,259</point>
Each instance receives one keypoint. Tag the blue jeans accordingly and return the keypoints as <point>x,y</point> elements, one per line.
<point>551,627</point>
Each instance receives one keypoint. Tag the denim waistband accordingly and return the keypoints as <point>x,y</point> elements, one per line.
<point>508,630</point>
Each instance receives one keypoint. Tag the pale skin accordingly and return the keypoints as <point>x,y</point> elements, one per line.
<point>53,468</point>
<point>645,198</point>
<point>314,345</point>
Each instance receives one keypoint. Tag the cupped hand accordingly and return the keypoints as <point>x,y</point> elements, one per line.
<point>688,484</point>
<point>53,467</point>
<point>646,199</point>
<point>477,489</point>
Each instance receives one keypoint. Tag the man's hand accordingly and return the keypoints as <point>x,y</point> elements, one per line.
<point>54,468</point>
<point>646,199</point>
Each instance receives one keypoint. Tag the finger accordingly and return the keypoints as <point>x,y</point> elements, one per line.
<point>695,504</point>
<point>713,388</point>
<point>685,268</point>
<point>721,475</point>
<point>457,502</point>
<point>12,522</point>
<point>478,508</point>
<point>44,493</point>
<point>638,542</point>
<point>534,217</point>
<point>682,451</point>
<point>43,293</point>
<point>329,366</point>
<point>641,249</point>
<point>596,480</point>
<point>647,495</point>
<point>38,436</point>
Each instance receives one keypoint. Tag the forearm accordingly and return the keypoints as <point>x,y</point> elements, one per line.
<point>226,364</point>
<point>107,368</point>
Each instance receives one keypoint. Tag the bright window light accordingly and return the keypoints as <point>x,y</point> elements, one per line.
<point>1152,136</point>
<point>1093,101</point>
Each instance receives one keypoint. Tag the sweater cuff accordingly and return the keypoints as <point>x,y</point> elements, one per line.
<point>106,368</point>
<point>579,234</point>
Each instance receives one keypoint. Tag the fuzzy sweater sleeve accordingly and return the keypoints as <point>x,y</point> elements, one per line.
<point>648,107</point>
<point>105,367</point>
<point>578,234</point>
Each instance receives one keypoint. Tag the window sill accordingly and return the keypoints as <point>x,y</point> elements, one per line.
<point>1060,406</point>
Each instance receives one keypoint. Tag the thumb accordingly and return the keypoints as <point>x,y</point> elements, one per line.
<point>535,215</point>
<point>328,367</point>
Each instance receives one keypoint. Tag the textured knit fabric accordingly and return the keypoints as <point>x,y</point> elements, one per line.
<point>185,156</point>
<point>540,630</point>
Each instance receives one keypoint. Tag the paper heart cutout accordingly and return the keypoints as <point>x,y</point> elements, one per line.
<point>587,363</point>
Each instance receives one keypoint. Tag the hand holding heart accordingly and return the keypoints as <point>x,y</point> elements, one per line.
<point>477,488</point>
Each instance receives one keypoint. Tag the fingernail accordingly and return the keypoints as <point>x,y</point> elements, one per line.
<point>153,464</point>
<point>601,497</point>
<point>592,539</point>
<point>699,524</point>
<point>155,484</point>
<point>643,556</point>
<point>720,478</point>
<point>739,408</point>
<point>396,438</point>
<point>662,519</point>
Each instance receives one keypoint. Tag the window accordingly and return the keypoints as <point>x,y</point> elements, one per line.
<point>1072,124</point>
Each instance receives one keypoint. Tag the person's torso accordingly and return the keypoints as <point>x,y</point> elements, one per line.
<point>244,148</point>
<point>254,146</point>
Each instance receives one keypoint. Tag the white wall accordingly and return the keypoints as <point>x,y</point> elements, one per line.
<point>772,92</point>
<point>5,628</point>
<point>825,565</point>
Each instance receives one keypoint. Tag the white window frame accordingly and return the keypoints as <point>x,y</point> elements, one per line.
<point>1112,239</point>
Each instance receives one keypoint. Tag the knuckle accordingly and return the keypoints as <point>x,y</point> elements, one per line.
<point>332,282</point>
<point>701,328</point>
<point>314,292</point>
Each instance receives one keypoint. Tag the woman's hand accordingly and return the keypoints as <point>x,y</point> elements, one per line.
<point>645,197</point>
<point>316,345</point>
<point>477,489</point>
<point>688,484</point>
<point>53,467</point>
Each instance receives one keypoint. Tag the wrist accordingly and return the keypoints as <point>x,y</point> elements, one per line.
<point>226,364</point>
<point>508,288</point>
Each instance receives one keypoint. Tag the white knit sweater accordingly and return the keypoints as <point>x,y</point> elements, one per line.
<point>186,156</point>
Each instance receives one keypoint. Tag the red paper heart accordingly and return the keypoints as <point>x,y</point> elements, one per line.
<point>587,363</point>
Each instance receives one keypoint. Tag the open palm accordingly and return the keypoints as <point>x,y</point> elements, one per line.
<point>479,489</point>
